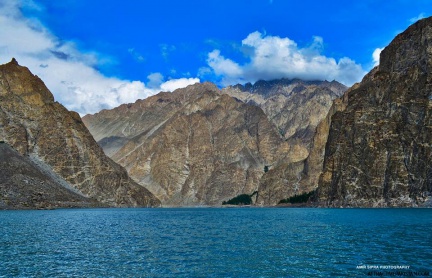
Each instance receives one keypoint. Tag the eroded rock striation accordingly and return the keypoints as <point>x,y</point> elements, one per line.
<point>45,132</point>
<point>298,109</point>
<point>25,184</point>
<point>378,152</point>
<point>194,146</point>
<point>201,146</point>
<point>294,106</point>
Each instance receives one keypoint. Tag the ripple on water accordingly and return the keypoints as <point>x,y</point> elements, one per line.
<point>212,242</point>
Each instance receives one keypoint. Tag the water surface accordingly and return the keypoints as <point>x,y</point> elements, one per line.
<point>213,242</point>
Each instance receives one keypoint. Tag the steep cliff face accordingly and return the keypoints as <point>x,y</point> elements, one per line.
<point>296,108</point>
<point>378,152</point>
<point>194,146</point>
<point>38,127</point>
<point>299,175</point>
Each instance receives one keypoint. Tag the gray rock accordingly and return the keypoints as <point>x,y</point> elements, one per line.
<point>378,152</point>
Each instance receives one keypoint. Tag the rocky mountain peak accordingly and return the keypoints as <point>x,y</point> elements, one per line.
<point>28,87</point>
<point>14,61</point>
<point>411,48</point>
<point>202,145</point>
<point>49,135</point>
<point>271,87</point>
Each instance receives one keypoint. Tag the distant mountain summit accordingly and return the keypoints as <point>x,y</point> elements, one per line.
<point>379,151</point>
<point>202,146</point>
<point>294,106</point>
<point>195,146</point>
<point>63,164</point>
<point>286,86</point>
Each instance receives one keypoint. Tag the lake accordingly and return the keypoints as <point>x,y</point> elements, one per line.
<point>216,242</point>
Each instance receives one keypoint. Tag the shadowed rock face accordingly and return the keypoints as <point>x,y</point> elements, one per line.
<point>296,108</point>
<point>378,152</point>
<point>37,127</point>
<point>24,184</point>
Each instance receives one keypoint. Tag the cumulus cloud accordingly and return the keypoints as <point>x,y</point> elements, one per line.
<point>231,71</point>
<point>155,79</point>
<point>376,56</point>
<point>272,57</point>
<point>173,84</point>
<point>70,74</point>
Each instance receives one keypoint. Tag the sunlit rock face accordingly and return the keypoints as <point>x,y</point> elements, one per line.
<point>378,152</point>
<point>201,145</point>
<point>37,127</point>
<point>194,146</point>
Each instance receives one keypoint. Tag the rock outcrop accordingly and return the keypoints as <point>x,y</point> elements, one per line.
<point>294,106</point>
<point>298,109</point>
<point>39,128</point>
<point>25,184</point>
<point>194,146</point>
<point>378,152</point>
<point>202,146</point>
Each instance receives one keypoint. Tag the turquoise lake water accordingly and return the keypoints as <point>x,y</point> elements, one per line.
<point>216,242</point>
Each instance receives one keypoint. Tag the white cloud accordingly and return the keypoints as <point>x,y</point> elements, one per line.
<point>230,71</point>
<point>274,57</point>
<point>376,56</point>
<point>69,73</point>
<point>173,84</point>
<point>417,18</point>
<point>155,80</point>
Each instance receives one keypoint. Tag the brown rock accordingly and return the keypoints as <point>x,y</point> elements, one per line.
<point>36,126</point>
<point>198,146</point>
<point>194,146</point>
<point>25,184</point>
<point>296,108</point>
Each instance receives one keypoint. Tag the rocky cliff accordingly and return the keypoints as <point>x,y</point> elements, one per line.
<point>378,152</point>
<point>202,146</point>
<point>298,109</point>
<point>194,146</point>
<point>39,128</point>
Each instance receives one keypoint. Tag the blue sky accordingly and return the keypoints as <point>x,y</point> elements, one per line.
<point>98,54</point>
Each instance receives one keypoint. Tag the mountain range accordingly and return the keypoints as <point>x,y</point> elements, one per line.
<point>201,145</point>
<point>364,146</point>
